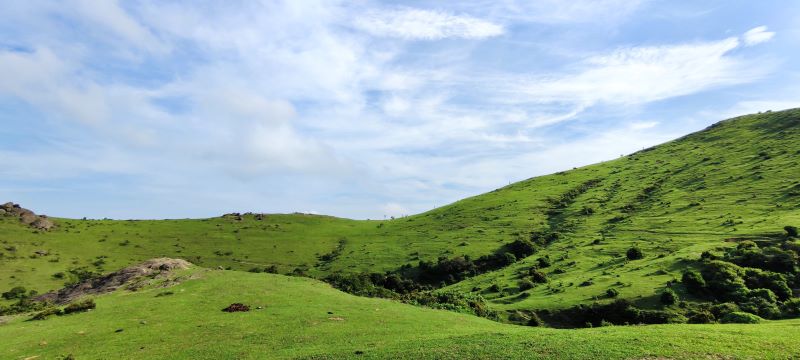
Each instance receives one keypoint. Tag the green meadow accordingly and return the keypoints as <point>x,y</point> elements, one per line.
<point>305,318</point>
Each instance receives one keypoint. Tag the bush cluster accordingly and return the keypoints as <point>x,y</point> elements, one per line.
<point>757,280</point>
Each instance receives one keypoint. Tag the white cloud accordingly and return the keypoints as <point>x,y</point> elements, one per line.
<point>425,25</point>
<point>607,12</point>
<point>644,125</point>
<point>638,75</point>
<point>757,35</point>
<point>281,105</point>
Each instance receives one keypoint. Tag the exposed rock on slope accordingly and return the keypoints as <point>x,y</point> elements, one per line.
<point>132,277</point>
<point>28,217</point>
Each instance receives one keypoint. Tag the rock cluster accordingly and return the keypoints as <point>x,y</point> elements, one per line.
<point>239,216</point>
<point>28,217</point>
<point>131,278</point>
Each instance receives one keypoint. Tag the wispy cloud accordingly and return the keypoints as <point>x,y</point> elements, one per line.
<point>642,74</point>
<point>757,36</point>
<point>289,105</point>
<point>417,24</point>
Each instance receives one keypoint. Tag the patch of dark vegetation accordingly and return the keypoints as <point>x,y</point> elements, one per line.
<point>271,269</point>
<point>761,278</point>
<point>86,282</point>
<point>634,253</point>
<point>326,259</point>
<point>76,307</point>
<point>236,307</point>
<point>393,286</point>
<point>24,301</point>
<point>618,312</point>
<point>80,306</point>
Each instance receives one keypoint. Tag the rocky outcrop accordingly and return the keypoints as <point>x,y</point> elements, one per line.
<point>27,217</point>
<point>132,278</point>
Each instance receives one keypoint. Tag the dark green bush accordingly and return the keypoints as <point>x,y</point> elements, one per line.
<point>720,310</point>
<point>543,262</point>
<point>739,317</point>
<point>538,277</point>
<point>724,281</point>
<point>760,279</point>
<point>80,306</point>
<point>634,253</point>
<point>693,281</point>
<point>526,284</point>
<point>762,307</point>
<point>700,317</point>
<point>44,314</point>
<point>535,320</point>
<point>17,292</point>
<point>791,231</point>
<point>669,297</point>
<point>612,293</point>
<point>791,308</point>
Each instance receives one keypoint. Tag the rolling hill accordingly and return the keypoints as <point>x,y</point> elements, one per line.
<point>304,318</point>
<point>705,195</point>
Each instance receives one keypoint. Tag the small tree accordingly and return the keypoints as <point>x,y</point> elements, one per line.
<point>634,253</point>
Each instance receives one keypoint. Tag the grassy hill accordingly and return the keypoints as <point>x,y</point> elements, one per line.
<point>304,318</point>
<point>736,179</point>
<point>706,192</point>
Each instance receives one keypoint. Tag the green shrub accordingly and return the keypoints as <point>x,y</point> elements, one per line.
<point>612,293</point>
<point>634,253</point>
<point>538,277</point>
<point>693,281</point>
<point>669,297</point>
<point>759,279</point>
<point>17,292</point>
<point>724,281</point>
<point>44,314</point>
<point>791,308</point>
<point>494,288</point>
<point>761,307</point>
<point>765,294</point>
<point>739,317</point>
<point>535,320</point>
<point>526,284</point>
<point>80,306</point>
<point>791,231</point>
<point>720,310</point>
<point>700,317</point>
<point>543,262</point>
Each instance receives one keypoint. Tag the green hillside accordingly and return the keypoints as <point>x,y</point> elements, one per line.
<point>716,202</point>
<point>304,318</point>
<point>735,179</point>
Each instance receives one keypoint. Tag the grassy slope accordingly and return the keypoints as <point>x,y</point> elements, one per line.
<point>725,170</point>
<point>296,322</point>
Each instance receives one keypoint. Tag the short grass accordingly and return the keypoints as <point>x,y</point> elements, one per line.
<point>304,318</point>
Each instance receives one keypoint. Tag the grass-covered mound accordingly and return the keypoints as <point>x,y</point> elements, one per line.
<point>293,317</point>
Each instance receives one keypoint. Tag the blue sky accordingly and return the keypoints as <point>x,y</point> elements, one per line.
<point>362,109</point>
